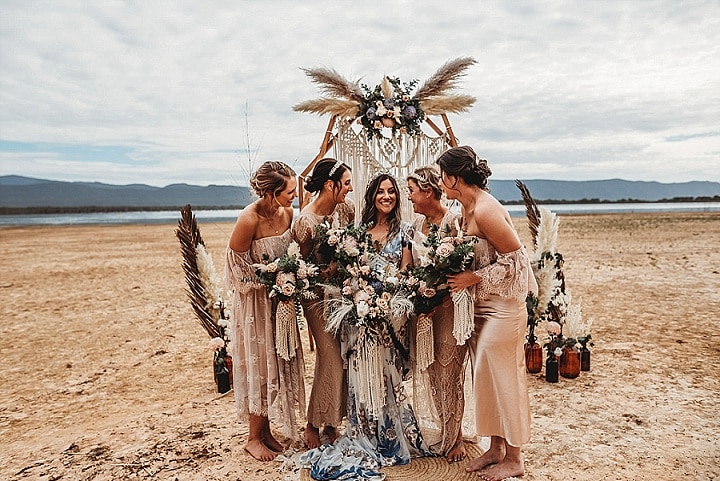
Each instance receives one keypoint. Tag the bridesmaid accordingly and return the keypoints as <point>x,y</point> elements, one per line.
<point>501,280</point>
<point>330,183</point>
<point>265,385</point>
<point>446,374</point>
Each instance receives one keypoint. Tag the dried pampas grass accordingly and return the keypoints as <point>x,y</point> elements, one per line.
<point>444,104</point>
<point>334,84</point>
<point>445,78</point>
<point>339,107</point>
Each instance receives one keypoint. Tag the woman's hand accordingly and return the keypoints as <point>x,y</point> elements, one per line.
<point>462,280</point>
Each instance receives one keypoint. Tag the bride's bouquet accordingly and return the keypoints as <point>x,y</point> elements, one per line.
<point>289,279</point>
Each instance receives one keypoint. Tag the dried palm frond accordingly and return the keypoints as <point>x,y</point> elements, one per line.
<point>531,210</point>
<point>445,78</point>
<point>189,236</point>
<point>444,104</point>
<point>334,84</point>
<point>339,107</point>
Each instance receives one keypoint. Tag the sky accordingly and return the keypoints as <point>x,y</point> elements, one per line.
<point>164,92</point>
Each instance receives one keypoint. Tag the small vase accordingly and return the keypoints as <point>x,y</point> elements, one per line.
<point>570,363</point>
<point>585,359</point>
<point>533,357</point>
<point>551,369</point>
<point>222,379</point>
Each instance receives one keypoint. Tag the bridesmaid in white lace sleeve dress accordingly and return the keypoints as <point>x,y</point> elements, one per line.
<point>501,280</point>
<point>329,183</point>
<point>265,385</point>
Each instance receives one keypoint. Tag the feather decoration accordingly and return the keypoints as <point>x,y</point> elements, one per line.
<point>445,78</point>
<point>339,107</point>
<point>387,88</point>
<point>337,310</point>
<point>531,210</point>
<point>189,236</point>
<point>442,104</point>
<point>547,233</point>
<point>334,84</point>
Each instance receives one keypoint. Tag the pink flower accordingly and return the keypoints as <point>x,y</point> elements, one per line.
<point>553,328</point>
<point>444,250</point>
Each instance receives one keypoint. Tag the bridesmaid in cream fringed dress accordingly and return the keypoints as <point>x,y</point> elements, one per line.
<point>330,182</point>
<point>501,278</point>
<point>265,385</point>
<point>446,374</point>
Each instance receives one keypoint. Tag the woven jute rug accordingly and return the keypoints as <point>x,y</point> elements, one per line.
<point>426,469</point>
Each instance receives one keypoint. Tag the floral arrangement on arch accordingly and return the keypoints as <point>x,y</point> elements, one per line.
<point>391,104</point>
<point>288,279</point>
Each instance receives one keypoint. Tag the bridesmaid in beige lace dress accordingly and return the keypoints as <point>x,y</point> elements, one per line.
<point>501,280</point>
<point>446,375</point>
<point>265,385</point>
<point>330,182</point>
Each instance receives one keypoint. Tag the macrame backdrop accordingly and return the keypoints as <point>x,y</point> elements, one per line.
<point>399,155</point>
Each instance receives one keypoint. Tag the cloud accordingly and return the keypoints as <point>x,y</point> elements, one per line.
<point>169,93</point>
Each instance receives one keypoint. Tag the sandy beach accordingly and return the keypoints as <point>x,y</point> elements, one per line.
<point>106,373</point>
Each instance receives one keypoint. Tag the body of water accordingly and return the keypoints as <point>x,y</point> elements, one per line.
<point>171,217</point>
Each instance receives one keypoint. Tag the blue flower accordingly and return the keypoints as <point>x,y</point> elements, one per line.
<point>409,112</point>
<point>389,103</point>
<point>370,113</point>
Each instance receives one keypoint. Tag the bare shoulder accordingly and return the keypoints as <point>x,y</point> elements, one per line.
<point>244,230</point>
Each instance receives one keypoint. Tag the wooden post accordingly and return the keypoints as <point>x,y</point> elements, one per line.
<point>451,136</point>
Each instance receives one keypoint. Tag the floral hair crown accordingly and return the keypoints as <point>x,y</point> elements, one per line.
<point>334,168</point>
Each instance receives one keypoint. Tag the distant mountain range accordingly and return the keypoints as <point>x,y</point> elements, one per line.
<point>25,192</point>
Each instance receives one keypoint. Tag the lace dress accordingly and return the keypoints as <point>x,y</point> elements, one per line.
<point>444,380</point>
<point>394,434</point>
<point>502,404</point>
<point>328,396</point>
<point>264,383</point>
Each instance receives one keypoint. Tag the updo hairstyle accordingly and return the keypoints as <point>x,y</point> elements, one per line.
<point>325,170</point>
<point>271,178</point>
<point>464,163</point>
<point>427,178</point>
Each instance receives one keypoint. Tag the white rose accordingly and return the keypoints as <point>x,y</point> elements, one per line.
<point>293,249</point>
<point>302,273</point>
<point>392,280</point>
<point>365,270</point>
<point>347,290</point>
<point>362,309</point>
<point>444,250</point>
<point>288,289</point>
<point>272,267</point>
<point>557,351</point>
<point>332,240</point>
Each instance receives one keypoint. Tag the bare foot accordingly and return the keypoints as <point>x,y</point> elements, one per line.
<point>272,443</point>
<point>312,436</point>
<point>332,433</point>
<point>257,449</point>
<point>269,440</point>
<point>457,452</point>
<point>502,470</point>
<point>486,459</point>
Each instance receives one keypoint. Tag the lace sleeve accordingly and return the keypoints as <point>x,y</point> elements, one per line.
<point>509,276</point>
<point>239,273</point>
<point>302,230</point>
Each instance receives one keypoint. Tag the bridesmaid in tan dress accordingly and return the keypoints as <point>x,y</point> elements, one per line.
<point>330,182</point>
<point>446,374</point>
<point>501,280</point>
<point>264,384</point>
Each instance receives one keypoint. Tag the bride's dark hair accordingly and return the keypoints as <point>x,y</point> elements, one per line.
<point>326,169</point>
<point>369,212</point>
<point>463,162</point>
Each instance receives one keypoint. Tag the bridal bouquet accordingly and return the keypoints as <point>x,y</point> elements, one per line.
<point>288,278</point>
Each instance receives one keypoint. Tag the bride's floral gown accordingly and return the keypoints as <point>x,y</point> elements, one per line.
<point>393,434</point>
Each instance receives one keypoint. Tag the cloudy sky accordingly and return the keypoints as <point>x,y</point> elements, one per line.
<point>160,92</point>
